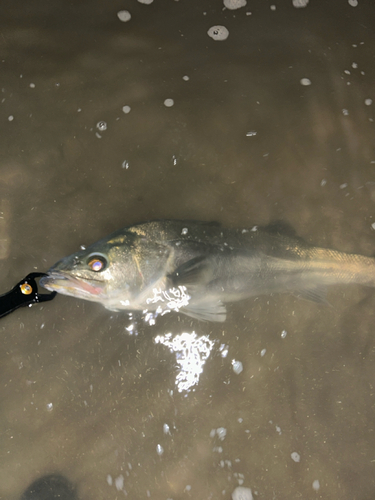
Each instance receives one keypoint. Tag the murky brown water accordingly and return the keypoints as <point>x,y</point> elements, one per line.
<point>245,143</point>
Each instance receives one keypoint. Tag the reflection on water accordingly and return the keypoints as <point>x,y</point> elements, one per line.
<point>169,300</point>
<point>192,352</point>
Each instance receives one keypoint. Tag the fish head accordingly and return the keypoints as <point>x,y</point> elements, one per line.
<point>113,271</point>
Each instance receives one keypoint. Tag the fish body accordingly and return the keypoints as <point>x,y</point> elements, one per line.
<point>197,268</point>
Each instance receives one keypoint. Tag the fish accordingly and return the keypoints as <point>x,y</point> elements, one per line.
<point>196,268</point>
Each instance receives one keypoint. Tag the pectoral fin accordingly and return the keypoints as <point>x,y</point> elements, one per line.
<point>206,311</point>
<point>316,294</point>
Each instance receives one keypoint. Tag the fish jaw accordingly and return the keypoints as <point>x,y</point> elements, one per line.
<point>74,286</point>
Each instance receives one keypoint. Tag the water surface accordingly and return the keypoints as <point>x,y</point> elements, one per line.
<point>273,123</point>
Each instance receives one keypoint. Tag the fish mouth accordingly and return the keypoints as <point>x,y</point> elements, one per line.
<point>66,284</point>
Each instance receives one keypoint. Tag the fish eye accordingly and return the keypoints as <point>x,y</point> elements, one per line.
<point>96,263</point>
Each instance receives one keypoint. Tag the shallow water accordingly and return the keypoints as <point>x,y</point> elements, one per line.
<point>244,143</point>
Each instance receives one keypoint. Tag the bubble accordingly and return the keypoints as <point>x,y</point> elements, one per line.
<point>184,231</point>
<point>168,103</point>
<point>145,2</point>
<point>295,456</point>
<point>251,133</point>
<point>242,493</point>
<point>124,15</point>
<point>32,85</point>
<point>125,164</point>
<point>373,225</point>
<point>305,82</point>
<point>126,109</point>
<point>316,485</point>
<point>49,406</point>
<point>353,3</point>
<point>234,4</point>
<point>159,449</point>
<point>300,3</point>
<point>345,112</point>
<point>119,482</point>
<point>186,78</point>
<point>221,432</point>
<point>273,7</point>
<point>237,366</point>
<point>283,334</point>
<point>101,126</point>
<point>263,352</point>
<point>10,118</point>
<point>218,33</point>
<point>368,102</point>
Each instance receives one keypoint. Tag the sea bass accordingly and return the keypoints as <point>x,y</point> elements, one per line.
<point>198,267</point>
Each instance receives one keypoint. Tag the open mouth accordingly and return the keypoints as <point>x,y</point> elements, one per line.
<point>70,285</point>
